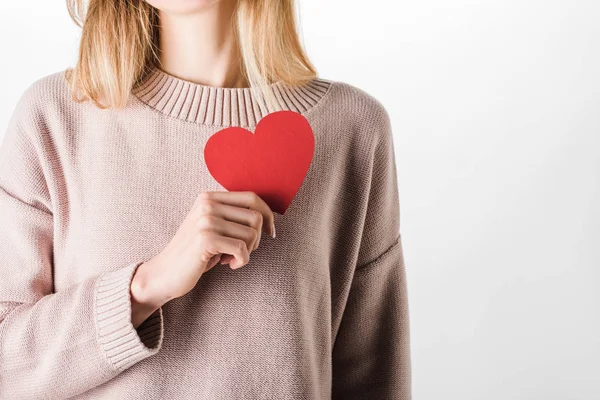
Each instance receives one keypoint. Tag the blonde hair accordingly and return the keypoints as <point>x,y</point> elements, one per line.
<point>119,44</point>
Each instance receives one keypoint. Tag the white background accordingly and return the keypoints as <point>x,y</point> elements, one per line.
<point>494,106</point>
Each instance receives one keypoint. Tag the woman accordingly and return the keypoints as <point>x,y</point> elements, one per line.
<point>112,224</point>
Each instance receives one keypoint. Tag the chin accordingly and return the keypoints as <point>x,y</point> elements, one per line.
<point>182,6</point>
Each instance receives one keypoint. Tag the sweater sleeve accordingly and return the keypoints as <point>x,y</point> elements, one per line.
<point>55,344</point>
<point>371,354</point>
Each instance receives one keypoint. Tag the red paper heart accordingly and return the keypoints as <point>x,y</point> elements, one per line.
<point>272,162</point>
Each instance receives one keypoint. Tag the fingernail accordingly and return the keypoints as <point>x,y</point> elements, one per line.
<point>273,229</point>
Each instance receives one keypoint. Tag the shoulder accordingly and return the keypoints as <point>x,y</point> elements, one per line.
<point>53,81</point>
<point>36,106</point>
<point>355,109</point>
<point>356,98</point>
<point>44,93</point>
<point>45,105</point>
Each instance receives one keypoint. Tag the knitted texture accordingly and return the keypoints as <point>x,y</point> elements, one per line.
<point>87,195</point>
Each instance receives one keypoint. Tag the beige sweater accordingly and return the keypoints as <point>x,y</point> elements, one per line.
<point>87,194</point>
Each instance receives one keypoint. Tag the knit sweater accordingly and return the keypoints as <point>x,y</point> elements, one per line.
<point>88,194</point>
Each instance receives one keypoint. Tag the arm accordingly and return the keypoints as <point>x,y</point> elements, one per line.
<point>55,344</point>
<point>371,353</point>
<point>372,350</point>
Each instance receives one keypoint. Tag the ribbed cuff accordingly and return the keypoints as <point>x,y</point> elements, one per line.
<point>122,344</point>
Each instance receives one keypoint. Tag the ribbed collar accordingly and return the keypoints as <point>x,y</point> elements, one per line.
<point>220,106</point>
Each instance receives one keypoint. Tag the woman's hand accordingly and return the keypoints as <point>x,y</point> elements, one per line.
<point>221,226</point>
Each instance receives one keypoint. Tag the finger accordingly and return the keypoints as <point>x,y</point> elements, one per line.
<point>230,229</point>
<point>212,262</point>
<point>246,199</point>
<point>225,258</point>
<point>244,216</point>
<point>235,247</point>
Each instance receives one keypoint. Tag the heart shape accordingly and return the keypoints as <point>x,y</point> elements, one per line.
<point>272,162</point>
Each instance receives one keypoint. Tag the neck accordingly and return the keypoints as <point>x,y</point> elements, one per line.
<point>200,47</point>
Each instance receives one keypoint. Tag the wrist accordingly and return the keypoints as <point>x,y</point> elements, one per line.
<point>143,291</point>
